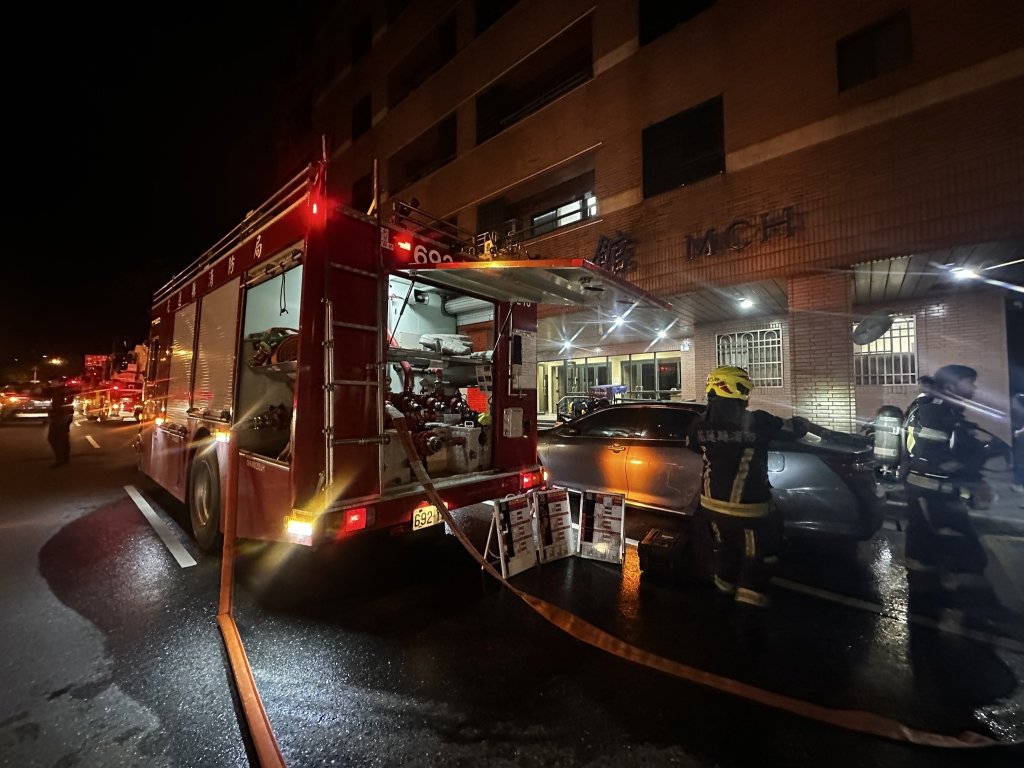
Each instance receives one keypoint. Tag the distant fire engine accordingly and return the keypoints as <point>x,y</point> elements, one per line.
<point>276,357</point>
<point>112,387</point>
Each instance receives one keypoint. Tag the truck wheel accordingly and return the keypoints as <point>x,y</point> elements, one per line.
<point>204,499</point>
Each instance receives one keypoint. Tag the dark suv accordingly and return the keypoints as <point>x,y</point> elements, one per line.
<point>24,403</point>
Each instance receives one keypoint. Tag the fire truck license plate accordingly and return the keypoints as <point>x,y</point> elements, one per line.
<point>424,517</point>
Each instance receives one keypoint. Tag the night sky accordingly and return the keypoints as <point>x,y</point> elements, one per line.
<point>133,146</point>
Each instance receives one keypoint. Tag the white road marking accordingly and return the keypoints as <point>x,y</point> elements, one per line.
<point>185,560</point>
<point>92,442</point>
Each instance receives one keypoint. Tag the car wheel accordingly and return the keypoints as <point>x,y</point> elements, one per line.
<point>204,499</point>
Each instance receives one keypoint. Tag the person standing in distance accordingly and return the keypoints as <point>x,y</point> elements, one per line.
<point>736,493</point>
<point>61,414</point>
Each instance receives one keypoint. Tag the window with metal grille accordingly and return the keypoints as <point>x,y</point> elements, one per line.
<point>759,352</point>
<point>890,360</point>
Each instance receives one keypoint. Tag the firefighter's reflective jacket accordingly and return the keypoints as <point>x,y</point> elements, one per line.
<point>941,453</point>
<point>736,461</point>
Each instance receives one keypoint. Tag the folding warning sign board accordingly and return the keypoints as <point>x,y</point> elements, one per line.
<point>601,517</point>
<point>513,522</point>
<point>553,522</point>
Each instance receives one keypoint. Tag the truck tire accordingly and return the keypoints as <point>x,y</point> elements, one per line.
<point>204,499</point>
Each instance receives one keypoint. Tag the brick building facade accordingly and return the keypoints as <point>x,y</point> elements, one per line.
<point>822,161</point>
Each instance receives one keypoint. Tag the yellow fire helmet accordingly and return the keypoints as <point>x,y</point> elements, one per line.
<point>729,381</point>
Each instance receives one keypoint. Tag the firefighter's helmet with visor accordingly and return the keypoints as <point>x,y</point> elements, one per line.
<point>729,381</point>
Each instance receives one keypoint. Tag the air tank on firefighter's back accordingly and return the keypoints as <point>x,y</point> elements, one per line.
<point>888,436</point>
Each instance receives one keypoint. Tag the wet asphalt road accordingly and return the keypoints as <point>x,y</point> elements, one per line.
<point>404,653</point>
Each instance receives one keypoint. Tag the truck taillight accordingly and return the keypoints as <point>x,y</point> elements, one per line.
<point>355,519</point>
<point>530,479</point>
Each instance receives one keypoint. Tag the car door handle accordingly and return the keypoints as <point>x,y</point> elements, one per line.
<point>616,448</point>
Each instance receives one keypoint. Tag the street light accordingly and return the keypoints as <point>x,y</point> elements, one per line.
<point>54,361</point>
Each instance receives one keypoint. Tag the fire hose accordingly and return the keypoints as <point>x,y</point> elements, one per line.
<point>854,720</point>
<point>269,754</point>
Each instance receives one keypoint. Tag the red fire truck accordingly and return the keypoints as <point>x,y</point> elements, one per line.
<point>111,387</point>
<point>290,341</point>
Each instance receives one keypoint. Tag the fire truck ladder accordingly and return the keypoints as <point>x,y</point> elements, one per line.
<point>356,349</point>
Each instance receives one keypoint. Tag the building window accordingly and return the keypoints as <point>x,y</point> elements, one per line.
<point>583,208</point>
<point>890,360</point>
<point>429,151</point>
<point>362,38</point>
<point>874,51</point>
<point>425,58</point>
<point>361,117</point>
<point>580,377</point>
<point>652,379</point>
<point>560,66</point>
<point>685,148</point>
<point>548,203</point>
<point>489,11</point>
<point>658,17</point>
<point>759,352</point>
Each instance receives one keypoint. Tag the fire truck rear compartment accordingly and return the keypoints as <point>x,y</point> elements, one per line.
<point>432,373</point>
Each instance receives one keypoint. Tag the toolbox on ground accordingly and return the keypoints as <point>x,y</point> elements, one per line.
<point>680,556</point>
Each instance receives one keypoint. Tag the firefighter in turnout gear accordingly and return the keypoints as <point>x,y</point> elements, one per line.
<point>736,493</point>
<point>942,470</point>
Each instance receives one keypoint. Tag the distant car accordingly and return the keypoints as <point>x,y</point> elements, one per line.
<point>24,403</point>
<point>824,484</point>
